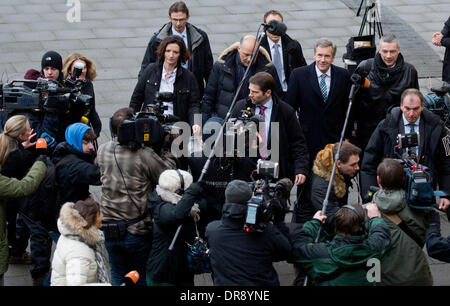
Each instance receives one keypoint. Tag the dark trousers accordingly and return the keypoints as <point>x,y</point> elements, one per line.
<point>128,254</point>
<point>40,246</point>
<point>18,232</point>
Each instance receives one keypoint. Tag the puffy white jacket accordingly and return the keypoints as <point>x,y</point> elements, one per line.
<point>73,262</point>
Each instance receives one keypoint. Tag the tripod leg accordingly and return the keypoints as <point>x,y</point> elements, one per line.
<point>360,7</point>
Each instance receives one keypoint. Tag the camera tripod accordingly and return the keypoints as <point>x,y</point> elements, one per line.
<point>371,12</point>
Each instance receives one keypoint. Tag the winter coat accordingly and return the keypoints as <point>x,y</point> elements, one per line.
<point>76,174</point>
<point>202,60</point>
<point>73,262</point>
<point>170,210</point>
<point>293,150</point>
<point>14,188</point>
<point>406,263</point>
<point>445,42</point>
<point>239,258</point>
<point>140,170</point>
<point>373,103</point>
<point>187,96</point>
<point>438,247</point>
<point>222,83</point>
<point>322,168</point>
<point>292,54</point>
<point>431,150</point>
<point>343,260</point>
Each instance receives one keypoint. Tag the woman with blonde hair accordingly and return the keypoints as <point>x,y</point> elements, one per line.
<point>26,217</point>
<point>88,75</point>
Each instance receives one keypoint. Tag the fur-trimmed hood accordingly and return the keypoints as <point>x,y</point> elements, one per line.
<point>234,47</point>
<point>70,222</point>
<point>323,166</point>
<point>167,195</point>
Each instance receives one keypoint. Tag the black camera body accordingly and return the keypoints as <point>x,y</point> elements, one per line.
<point>269,200</point>
<point>438,102</point>
<point>16,95</point>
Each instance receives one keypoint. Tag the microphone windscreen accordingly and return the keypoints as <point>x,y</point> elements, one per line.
<point>41,144</point>
<point>133,276</point>
<point>366,83</point>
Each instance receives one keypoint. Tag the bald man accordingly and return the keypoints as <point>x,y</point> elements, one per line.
<point>228,72</point>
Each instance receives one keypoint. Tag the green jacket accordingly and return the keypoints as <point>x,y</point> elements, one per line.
<point>341,261</point>
<point>406,263</point>
<point>14,188</point>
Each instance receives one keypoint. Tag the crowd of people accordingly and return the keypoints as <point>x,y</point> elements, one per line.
<point>156,204</point>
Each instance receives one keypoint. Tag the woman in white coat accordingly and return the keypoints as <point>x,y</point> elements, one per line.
<point>80,257</point>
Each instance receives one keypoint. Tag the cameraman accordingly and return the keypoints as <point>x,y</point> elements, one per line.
<point>406,263</point>
<point>410,117</point>
<point>343,260</point>
<point>128,177</point>
<point>239,258</point>
<point>168,75</point>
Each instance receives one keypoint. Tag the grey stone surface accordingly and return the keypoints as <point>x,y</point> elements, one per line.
<point>115,33</point>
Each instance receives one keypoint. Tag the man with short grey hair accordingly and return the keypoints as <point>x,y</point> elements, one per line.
<point>389,76</point>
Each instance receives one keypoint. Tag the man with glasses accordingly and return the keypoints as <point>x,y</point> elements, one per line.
<point>196,40</point>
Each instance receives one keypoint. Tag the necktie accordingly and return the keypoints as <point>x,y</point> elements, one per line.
<point>323,87</point>
<point>263,147</point>
<point>412,126</point>
<point>185,64</point>
<point>414,150</point>
<point>277,60</point>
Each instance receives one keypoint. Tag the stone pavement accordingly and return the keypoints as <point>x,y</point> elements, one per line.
<point>115,33</point>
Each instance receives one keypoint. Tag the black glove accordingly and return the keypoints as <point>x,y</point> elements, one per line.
<point>44,158</point>
<point>434,218</point>
<point>195,189</point>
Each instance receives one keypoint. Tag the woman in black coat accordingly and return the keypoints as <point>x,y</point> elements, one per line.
<point>169,210</point>
<point>168,75</point>
<point>87,88</point>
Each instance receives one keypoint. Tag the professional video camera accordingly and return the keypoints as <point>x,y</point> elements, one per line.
<point>269,200</point>
<point>419,179</point>
<point>48,94</point>
<point>151,127</point>
<point>439,103</point>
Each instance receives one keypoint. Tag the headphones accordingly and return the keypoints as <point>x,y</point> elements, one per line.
<point>362,221</point>
<point>180,191</point>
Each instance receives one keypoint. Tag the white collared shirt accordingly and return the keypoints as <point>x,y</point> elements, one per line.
<point>184,36</point>
<point>166,85</point>
<point>327,79</point>
<point>280,50</point>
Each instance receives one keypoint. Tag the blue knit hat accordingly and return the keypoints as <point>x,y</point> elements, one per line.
<point>74,135</point>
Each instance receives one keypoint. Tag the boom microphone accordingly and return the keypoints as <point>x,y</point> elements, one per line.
<point>284,186</point>
<point>359,80</point>
<point>275,27</point>
<point>77,70</point>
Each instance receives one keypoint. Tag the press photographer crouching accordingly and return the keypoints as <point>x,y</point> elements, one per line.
<point>130,169</point>
<point>174,202</point>
<point>240,257</point>
<point>415,135</point>
<point>406,263</point>
<point>342,261</point>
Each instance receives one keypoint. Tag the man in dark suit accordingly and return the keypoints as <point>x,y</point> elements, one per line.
<point>320,90</point>
<point>195,39</point>
<point>285,52</point>
<point>281,132</point>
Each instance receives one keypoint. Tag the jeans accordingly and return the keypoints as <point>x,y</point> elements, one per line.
<point>127,255</point>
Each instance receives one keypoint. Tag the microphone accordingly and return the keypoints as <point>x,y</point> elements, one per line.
<point>77,70</point>
<point>275,27</point>
<point>359,80</point>
<point>41,146</point>
<point>131,279</point>
<point>284,186</point>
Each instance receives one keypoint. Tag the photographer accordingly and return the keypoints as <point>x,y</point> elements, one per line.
<point>239,258</point>
<point>128,177</point>
<point>343,260</point>
<point>168,75</point>
<point>443,39</point>
<point>405,264</point>
<point>389,75</point>
<point>85,82</point>
<point>409,118</point>
<point>172,204</point>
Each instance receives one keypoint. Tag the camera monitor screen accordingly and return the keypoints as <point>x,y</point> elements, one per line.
<point>251,214</point>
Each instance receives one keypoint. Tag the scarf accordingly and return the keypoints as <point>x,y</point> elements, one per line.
<point>101,258</point>
<point>388,75</point>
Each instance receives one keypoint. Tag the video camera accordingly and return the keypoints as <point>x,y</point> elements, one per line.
<point>419,179</point>
<point>47,94</point>
<point>269,200</point>
<point>149,128</point>
<point>439,103</point>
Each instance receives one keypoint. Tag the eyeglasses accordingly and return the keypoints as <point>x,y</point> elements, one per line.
<point>178,20</point>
